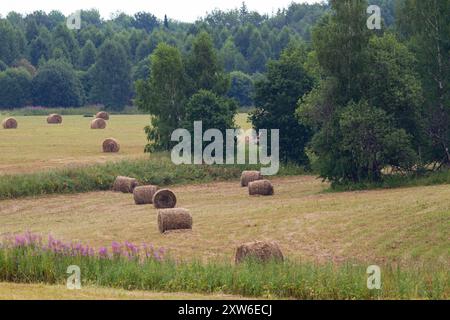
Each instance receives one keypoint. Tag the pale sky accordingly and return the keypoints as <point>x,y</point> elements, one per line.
<point>187,10</point>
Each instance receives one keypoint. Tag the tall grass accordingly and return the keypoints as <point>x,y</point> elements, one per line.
<point>158,170</point>
<point>25,263</point>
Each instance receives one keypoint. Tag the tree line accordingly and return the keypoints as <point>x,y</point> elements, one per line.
<point>353,104</point>
<point>44,63</point>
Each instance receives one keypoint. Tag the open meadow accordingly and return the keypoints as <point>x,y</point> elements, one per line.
<point>404,227</point>
<point>36,145</point>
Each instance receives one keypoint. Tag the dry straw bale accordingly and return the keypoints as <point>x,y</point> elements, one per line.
<point>9,123</point>
<point>54,119</point>
<point>249,176</point>
<point>98,123</point>
<point>164,199</point>
<point>260,187</point>
<point>125,184</point>
<point>262,251</point>
<point>102,115</point>
<point>174,219</point>
<point>144,194</point>
<point>111,145</point>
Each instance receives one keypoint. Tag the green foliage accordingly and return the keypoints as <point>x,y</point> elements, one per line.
<point>371,143</point>
<point>242,88</point>
<point>289,279</point>
<point>215,112</point>
<point>57,85</point>
<point>65,41</point>
<point>429,40</point>
<point>3,66</point>
<point>12,42</point>
<point>163,95</point>
<point>15,88</point>
<point>41,47</point>
<point>111,76</point>
<point>88,55</point>
<point>276,98</point>
<point>203,67</point>
<point>366,107</point>
<point>393,84</point>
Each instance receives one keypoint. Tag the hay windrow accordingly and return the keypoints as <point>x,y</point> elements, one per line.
<point>9,123</point>
<point>98,123</point>
<point>250,176</point>
<point>111,145</point>
<point>174,219</point>
<point>54,119</point>
<point>261,251</point>
<point>102,115</point>
<point>164,199</point>
<point>260,187</point>
<point>144,194</point>
<point>125,184</point>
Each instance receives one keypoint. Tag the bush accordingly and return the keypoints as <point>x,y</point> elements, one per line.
<point>56,85</point>
<point>15,87</point>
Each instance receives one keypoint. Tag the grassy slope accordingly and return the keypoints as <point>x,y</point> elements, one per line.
<point>13,291</point>
<point>409,226</point>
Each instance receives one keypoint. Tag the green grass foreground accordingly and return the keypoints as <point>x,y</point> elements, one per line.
<point>273,280</point>
<point>158,170</point>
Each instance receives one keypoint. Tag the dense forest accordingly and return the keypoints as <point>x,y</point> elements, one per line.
<point>351,102</point>
<point>43,63</point>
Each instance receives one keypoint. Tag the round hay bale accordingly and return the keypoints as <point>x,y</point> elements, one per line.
<point>111,145</point>
<point>144,194</point>
<point>174,219</point>
<point>125,184</point>
<point>261,251</point>
<point>102,115</point>
<point>54,119</point>
<point>249,176</point>
<point>9,123</point>
<point>164,199</point>
<point>260,187</point>
<point>98,123</point>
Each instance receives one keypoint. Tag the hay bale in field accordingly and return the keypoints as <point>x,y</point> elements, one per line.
<point>9,123</point>
<point>249,176</point>
<point>144,194</point>
<point>174,219</point>
<point>54,119</point>
<point>111,145</point>
<point>125,184</point>
<point>261,251</point>
<point>98,123</point>
<point>260,187</point>
<point>164,199</point>
<point>102,115</point>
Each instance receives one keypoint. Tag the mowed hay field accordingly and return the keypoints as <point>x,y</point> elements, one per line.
<point>36,145</point>
<point>406,226</point>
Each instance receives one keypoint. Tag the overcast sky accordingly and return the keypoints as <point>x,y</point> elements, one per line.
<point>183,10</point>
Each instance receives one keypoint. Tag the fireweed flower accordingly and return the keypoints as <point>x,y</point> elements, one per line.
<point>126,250</point>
